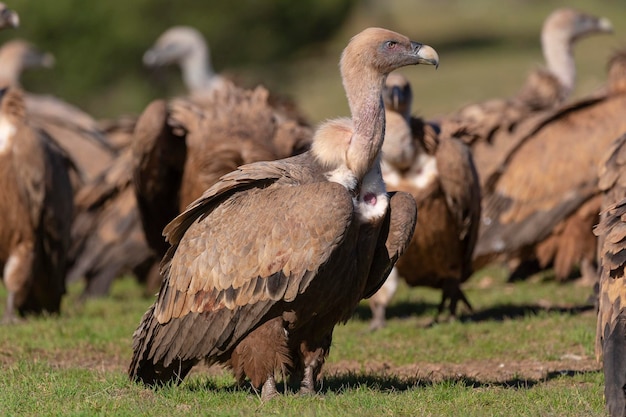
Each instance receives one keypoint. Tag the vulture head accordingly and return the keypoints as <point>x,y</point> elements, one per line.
<point>174,46</point>
<point>18,55</point>
<point>8,18</point>
<point>397,94</point>
<point>561,29</point>
<point>187,48</point>
<point>571,24</point>
<point>365,63</point>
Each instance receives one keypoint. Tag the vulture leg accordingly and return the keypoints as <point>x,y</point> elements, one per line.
<point>614,350</point>
<point>453,293</point>
<point>313,362</point>
<point>380,300</point>
<point>269,389</point>
<point>17,274</point>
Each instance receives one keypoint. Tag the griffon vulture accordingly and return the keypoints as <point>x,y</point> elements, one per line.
<point>36,207</point>
<point>545,88</point>
<point>106,238</point>
<point>182,148</point>
<point>543,201</point>
<point>611,232</point>
<point>439,172</point>
<point>277,253</point>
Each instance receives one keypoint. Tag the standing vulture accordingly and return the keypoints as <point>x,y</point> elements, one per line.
<point>485,125</point>
<point>275,254</point>
<point>36,207</point>
<point>182,148</point>
<point>543,201</point>
<point>611,232</point>
<point>438,171</point>
<point>107,237</point>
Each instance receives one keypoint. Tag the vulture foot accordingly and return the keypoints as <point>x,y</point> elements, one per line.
<point>307,386</point>
<point>614,349</point>
<point>454,294</point>
<point>9,314</point>
<point>378,316</point>
<point>268,391</point>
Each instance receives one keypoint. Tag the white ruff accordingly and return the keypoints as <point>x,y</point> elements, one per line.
<point>427,172</point>
<point>7,130</point>
<point>343,176</point>
<point>391,176</point>
<point>372,184</point>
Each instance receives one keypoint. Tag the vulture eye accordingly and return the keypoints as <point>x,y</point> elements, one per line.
<point>391,44</point>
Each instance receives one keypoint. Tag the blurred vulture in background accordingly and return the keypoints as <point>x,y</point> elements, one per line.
<point>72,129</point>
<point>187,48</point>
<point>266,263</point>
<point>611,232</point>
<point>542,203</point>
<point>107,237</point>
<point>545,88</point>
<point>36,207</point>
<point>439,173</point>
<point>182,147</point>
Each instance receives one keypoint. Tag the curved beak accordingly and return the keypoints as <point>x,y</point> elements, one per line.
<point>426,54</point>
<point>604,25</point>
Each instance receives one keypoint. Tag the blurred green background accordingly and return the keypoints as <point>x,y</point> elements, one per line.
<point>486,47</point>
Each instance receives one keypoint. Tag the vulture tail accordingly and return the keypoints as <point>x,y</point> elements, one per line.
<point>144,368</point>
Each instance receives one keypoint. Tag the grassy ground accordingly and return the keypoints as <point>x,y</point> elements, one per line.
<point>528,350</point>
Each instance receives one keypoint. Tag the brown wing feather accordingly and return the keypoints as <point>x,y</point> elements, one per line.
<point>159,157</point>
<point>398,227</point>
<point>550,175</point>
<point>216,289</point>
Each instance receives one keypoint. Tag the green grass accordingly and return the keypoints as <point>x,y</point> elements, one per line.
<point>527,351</point>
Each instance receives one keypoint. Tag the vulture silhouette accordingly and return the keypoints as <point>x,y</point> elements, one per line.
<point>438,171</point>
<point>266,263</point>
<point>611,233</point>
<point>487,125</point>
<point>36,212</point>
<point>543,201</point>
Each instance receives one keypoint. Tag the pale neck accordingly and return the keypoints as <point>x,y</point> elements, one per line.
<point>197,70</point>
<point>10,69</point>
<point>364,93</point>
<point>557,52</point>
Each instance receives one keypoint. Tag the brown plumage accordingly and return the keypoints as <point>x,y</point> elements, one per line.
<point>545,88</point>
<point>611,233</point>
<point>439,172</point>
<point>37,211</point>
<point>182,148</point>
<point>296,242</point>
<point>541,203</point>
<point>108,238</point>
<point>100,224</point>
<point>71,128</point>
